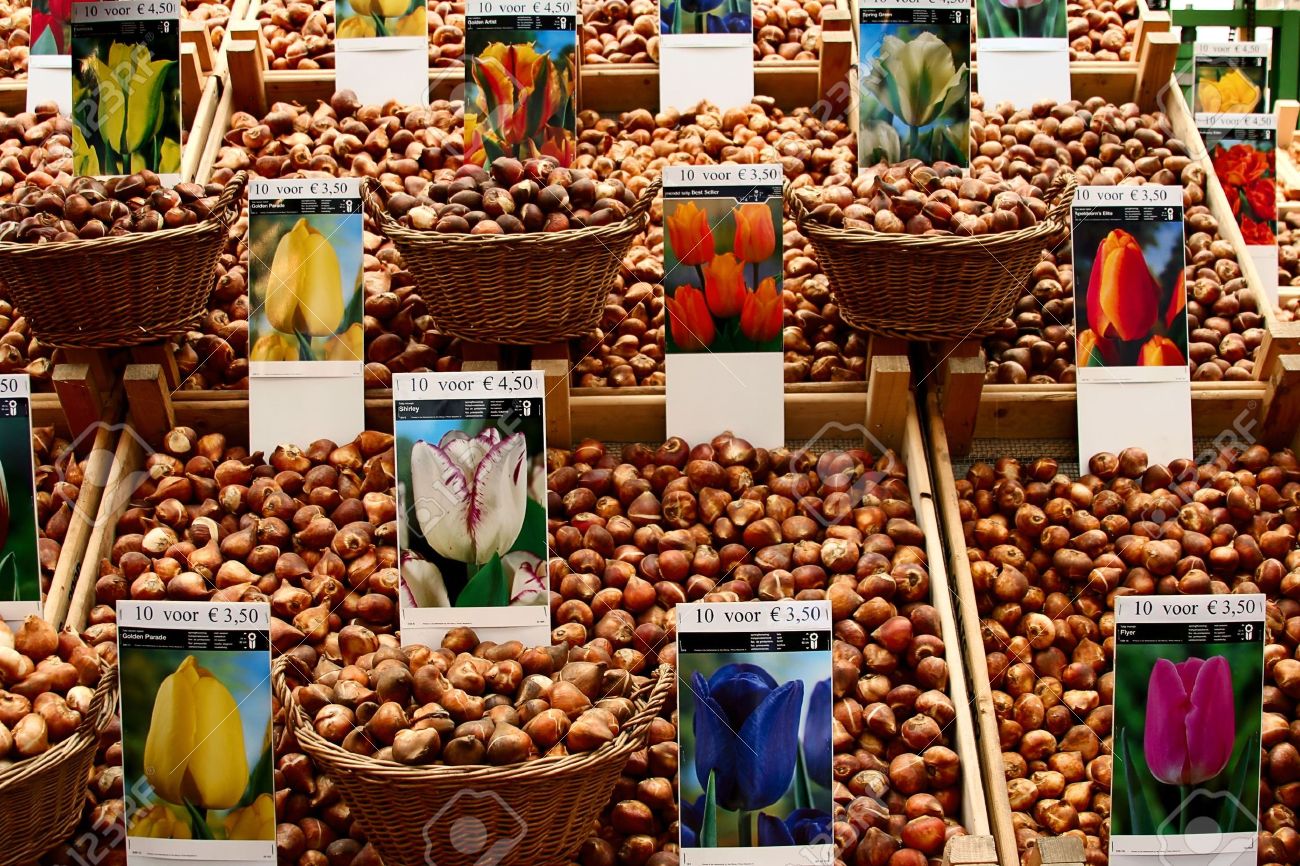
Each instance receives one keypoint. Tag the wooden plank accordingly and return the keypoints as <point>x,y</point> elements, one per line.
<point>244,60</point>
<point>80,396</point>
<point>975,816</point>
<point>1148,23</point>
<point>128,457</point>
<point>13,97</point>
<point>1008,411</point>
<point>162,355</point>
<point>552,361</point>
<point>1054,850</point>
<point>149,401</point>
<point>197,142</point>
<point>833,87</point>
<point>994,776</point>
<point>191,83</point>
<point>889,383</point>
<point>1288,115</point>
<point>99,461</point>
<point>48,412</point>
<point>196,33</point>
<point>969,851</point>
<point>1155,70</point>
<point>1281,409</point>
<point>961,382</point>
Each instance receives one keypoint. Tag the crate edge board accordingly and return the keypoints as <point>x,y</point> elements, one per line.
<point>919,483</point>
<point>999,799</point>
<point>114,500</point>
<point>73,548</point>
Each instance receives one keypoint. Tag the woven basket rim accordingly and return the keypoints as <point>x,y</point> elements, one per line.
<point>102,708</point>
<point>632,220</point>
<point>655,693</point>
<point>231,197</point>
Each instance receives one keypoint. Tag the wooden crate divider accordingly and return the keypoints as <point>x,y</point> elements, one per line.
<point>1056,851</point>
<point>970,851</point>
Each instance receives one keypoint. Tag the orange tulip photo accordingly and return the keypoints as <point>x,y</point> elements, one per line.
<point>722,275</point>
<point>1129,298</point>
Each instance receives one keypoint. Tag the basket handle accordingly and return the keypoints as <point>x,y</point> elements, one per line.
<point>661,685</point>
<point>104,704</point>
<point>374,198</point>
<point>280,686</point>
<point>231,200</point>
<point>798,209</point>
<point>1061,193</point>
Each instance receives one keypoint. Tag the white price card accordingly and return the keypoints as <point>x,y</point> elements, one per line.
<point>197,760</point>
<point>471,505</point>
<point>126,91</point>
<point>754,686</point>
<point>723,281</point>
<point>1189,678</point>
<point>21,589</point>
<point>1130,309</point>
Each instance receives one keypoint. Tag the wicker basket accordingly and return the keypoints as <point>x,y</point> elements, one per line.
<point>537,813</point>
<point>44,796</point>
<point>932,288</point>
<point>521,289</point>
<point>114,292</point>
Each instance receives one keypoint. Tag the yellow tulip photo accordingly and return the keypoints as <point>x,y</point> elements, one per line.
<point>196,744</point>
<point>126,98</point>
<point>370,18</point>
<point>305,286</point>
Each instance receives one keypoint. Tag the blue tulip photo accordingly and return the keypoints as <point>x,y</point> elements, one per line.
<point>752,735</point>
<point>679,17</point>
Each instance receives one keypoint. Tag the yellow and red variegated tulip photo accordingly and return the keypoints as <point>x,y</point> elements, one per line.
<point>520,88</point>
<point>1130,308</point>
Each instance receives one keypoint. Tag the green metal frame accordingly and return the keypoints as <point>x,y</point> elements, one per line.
<point>1284,69</point>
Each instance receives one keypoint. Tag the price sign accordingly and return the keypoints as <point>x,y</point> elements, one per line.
<point>471,493</point>
<point>196,731</point>
<point>723,280</point>
<point>1189,675</point>
<point>1131,358</point>
<point>755,690</point>
<point>21,593</point>
<point>126,91</point>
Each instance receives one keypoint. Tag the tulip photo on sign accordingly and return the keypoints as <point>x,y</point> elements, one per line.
<point>756,745</point>
<point>693,17</point>
<point>1020,19</point>
<point>20,573</point>
<point>305,285</point>
<point>914,90</point>
<point>722,275</point>
<point>1130,304</point>
<point>471,496</point>
<point>1244,161</point>
<point>51,27</point>
<point>126,91</point>
<point>196,740</point>
<point>1187,726</point>
<point>1231,84</point>
<point>360,19</point>
<point>520,89</point>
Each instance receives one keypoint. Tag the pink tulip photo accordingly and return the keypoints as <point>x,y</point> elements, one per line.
<point>1190,720</point>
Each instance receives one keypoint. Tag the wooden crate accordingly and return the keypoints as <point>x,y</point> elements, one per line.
<point>603,87</point>
<point>1269,405</point>
<point>1139,80</point>
<point>153,410</point>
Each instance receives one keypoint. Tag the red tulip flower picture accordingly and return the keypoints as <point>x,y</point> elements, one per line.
<point>1247,171</point>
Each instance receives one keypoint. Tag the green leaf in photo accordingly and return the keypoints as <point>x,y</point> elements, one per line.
<point>802,794</point>
<point>261,780</point>
<point>487,588</point>
<point>532,534</point>
<point>709,826</point>
<point>9,579</point>
<point>199,828</point>
<point>1245,790</point>
<point>305,352</point>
